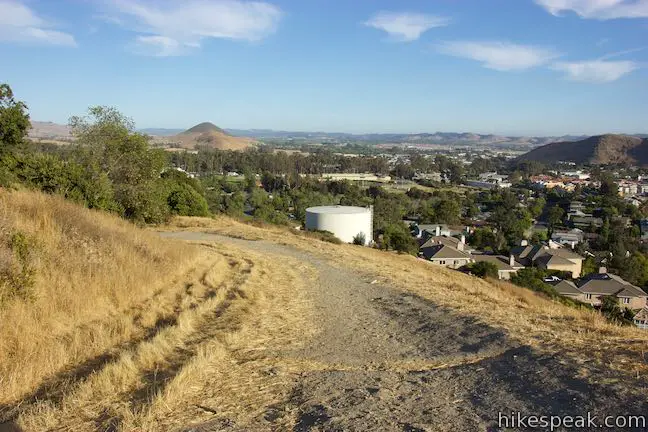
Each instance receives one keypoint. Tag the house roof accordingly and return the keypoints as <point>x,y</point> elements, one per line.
<point>436,240</point>
<point>536,251</point>
<point>550,259</point>
<point>565,287</point>
<point>524,251</point>
<point>500,261</point>
<point>642,314</point>
<point>609,284</point>
<point>441,251</point>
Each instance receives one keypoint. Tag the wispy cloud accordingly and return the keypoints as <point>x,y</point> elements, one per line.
<point>502,56</point>
<point>595,71</point>
<point>168,28</point>
<point>18,23</point>
<point>405,26</point>
<point>158,46</point>
<point>598,9</point>
<point>621,53</point>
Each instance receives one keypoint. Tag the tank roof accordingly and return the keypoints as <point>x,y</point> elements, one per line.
<point>337,209</point>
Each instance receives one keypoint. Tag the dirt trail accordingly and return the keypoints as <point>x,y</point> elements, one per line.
<point>387,360</point>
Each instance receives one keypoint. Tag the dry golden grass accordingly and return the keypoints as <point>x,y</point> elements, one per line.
<point>99,282</point>
<point>528,317</point>
<point>217,355</point>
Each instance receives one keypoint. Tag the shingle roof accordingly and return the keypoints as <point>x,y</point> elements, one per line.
<point>443,252</point>
<point>642,314</point>
<point>537,251</point>
<point>500,261</point>
<point>548,259</point>
<point>609,284</point>
<point>565,287</point>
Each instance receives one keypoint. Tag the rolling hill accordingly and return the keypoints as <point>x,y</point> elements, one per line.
<point>206,135</point>
<point>596,150</point>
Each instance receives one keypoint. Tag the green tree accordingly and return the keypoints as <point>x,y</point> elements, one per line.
<point>397,237</point>
<point>108,145</point>
<point>554,217</point>
<point>447,211</point>
<point>589,266</point>
<point>484,269</point>
<point>14,120</point>
<point>537,206</point>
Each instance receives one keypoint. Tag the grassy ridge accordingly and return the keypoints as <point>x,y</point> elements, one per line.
<point>74,283</point>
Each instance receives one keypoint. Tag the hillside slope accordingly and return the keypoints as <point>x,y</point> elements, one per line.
<point>74,283</point>
<point>207,135</point>
<point>596,150</point>
<point>272,329</point>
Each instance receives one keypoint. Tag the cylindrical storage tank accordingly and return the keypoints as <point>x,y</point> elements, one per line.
<point>345,222</point>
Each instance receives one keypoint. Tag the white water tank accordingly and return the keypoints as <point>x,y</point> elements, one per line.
<point>345,222</point>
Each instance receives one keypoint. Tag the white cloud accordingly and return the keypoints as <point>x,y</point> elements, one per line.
<point>159,46</point>
<point>595,71</point>
<point>502,56</point>
<point>20,24</point>
<point>598,9</point>
<point>405,26</point>
<point>170,27</point>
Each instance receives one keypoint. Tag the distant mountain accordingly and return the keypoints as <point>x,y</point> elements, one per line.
<point>205,127</point>
<point>161,131</point>
<point>49,131</point>
<point>596,150</point>
<point>206,135</point>
<point>442,138</point>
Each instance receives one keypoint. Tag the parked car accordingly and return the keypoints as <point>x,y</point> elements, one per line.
<point>551,279</point>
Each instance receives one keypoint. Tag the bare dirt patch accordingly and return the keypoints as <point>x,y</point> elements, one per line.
<point>384,359</point>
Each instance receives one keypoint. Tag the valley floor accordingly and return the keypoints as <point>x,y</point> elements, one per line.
<point>271,337</point>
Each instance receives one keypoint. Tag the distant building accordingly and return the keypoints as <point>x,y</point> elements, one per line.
<point>641,319</point>
<point>586,221</point>
<point>357,177</point>
<point>580,175</point>
<point>592,288</point>
<point>550,259</point>
<point>506,267</point>
<point>445,251</point>
<point>435,177</point>
<point>568,238</point>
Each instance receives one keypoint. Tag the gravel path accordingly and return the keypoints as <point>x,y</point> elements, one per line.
<point>400,363</point>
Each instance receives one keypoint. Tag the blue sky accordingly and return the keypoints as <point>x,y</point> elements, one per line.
<point>543,67</point>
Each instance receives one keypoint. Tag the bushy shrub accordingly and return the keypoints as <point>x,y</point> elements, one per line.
<point>397,237</point>
<point>360,239</point>
<point>326,236</point>
<point>17,266</point>
<point>183,200</point>
<point>484,269</point>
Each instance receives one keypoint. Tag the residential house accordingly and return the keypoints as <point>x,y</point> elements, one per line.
<point>591,288</point>
<point>568,238</point>
<point>551,259</point>
<point>445,251</point>
<point>434,230</point>
<point>602,284</point>
<point>586,221</point>
<point>641,319</point>
<point>506,267</point>
<point>568,289</point>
